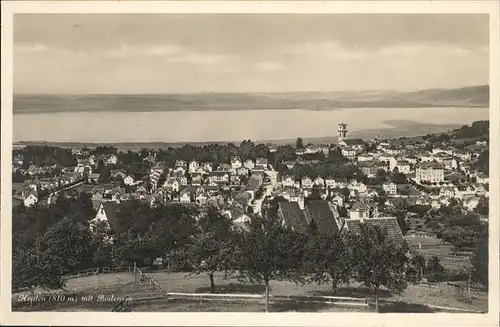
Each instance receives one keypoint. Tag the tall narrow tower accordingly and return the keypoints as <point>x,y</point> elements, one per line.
<point>342,131</point>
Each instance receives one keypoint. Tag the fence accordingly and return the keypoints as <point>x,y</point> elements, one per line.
<point>97,271</point>
<point>140,277</point>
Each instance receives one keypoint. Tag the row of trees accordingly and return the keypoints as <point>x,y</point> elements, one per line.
<point>51,241</point>
<point>62,241</point>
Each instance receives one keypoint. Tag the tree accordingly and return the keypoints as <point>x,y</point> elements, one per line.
<point>381,176</point>
<point>299,144</point>
<point>483,206</point>
<point>213,246</point>
<point>101,244</point>
<point>459,236</point>
<point>483,162</point>
<point>32,268</point>
<point>380,262</point>
<point>480,261</point>
<point>269,251</point>
<point>67,245</point>
<point>398,178</point>
<point>328,259</point>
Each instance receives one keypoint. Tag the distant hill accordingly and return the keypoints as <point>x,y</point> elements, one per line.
<point>474,96</point>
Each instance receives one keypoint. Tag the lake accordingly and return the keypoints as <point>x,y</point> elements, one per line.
<point>237,125</point>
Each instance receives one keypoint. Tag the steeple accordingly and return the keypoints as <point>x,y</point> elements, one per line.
<point>342,131</point>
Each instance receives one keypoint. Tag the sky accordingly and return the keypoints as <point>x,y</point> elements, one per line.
<point>183,53</point>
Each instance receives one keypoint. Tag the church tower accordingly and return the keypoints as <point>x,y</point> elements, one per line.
<point>342,131</point>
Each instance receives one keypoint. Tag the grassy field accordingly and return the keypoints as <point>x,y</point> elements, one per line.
<point>432,246</point>
<point>413,299</point>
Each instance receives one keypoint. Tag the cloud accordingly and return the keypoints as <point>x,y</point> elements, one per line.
<point>333,50</point>
<point>127,51</point>
<point>269,66</point>
<point>199,59</point>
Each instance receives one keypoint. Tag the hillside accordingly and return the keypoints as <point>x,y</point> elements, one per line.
<point>475,96</point>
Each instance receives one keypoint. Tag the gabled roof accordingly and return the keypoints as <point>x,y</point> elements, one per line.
<point>389,223</point>
<point>350,142</point>
<point>319,211</point>
<point>110,208</point>
<point>293,216</point>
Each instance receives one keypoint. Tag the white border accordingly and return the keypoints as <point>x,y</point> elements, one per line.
<point>491,7</point>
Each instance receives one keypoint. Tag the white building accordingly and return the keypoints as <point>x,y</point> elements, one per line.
<point>432,172</point>
<point>390,188</point>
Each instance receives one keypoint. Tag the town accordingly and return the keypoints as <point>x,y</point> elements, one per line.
<point>429,192</point>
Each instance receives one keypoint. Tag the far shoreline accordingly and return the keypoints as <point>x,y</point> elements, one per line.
<point>401,128</point>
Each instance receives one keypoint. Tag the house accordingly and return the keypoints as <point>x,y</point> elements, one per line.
<point>235,180</point>
<point>482,178</point>
<point>288,181</point>
<point>337,200</point>
<point>349,152</point>
<point>365,157</point>
<point>129,180</point>
<point>242,171</point>
<point>369,168</point>
<point>183,181</point>
<point>219,177</point>
<point>185,195</point>
<point>403,166</point>
<point>429,172</point>
<point>112,160</point>
<point>470,203</point>
<point>336,183</point>
<point>357,145</point>
<point>464,191</point>
<point>426,157</point>
<point>448,151</point>
<point>201,196</point>
<point>359,210</point>
<point>390,224</point>
<point>354,185</point>
<point>306,182</point>
<point>312,148</point>
<point>93,178</point>
<point>319,181</point>
<point>249,164</point>
<point>393,150</point>
<point>292,216</point>
<point>447,191</point>
<point>180,163</point>
<point>300,152</point>
<point>325,149</point>
<point>225,168</point>
<point>390,188</point>
<point>193,166</point>
<point>172,184</point>
<point>261,162</point>
<point>106,212</point>
<point>141,192</point>
<point>196,179</point>
<point>321,216</point>
<point>207,166</point>
<point>118,174</point>
<point>463,155</point>
<point>411,159</point>
<point>30,196</point>
<point>98,193</point>
<point>236,163</point>
<point>482,143</point>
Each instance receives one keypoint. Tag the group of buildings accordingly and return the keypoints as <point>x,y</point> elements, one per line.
<point>431,177</point>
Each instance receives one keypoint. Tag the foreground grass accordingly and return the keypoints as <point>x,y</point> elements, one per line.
<point>413,299</point>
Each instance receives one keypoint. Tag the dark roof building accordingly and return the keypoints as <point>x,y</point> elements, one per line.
<point>389,223</point>
<point>352,142</point>
<point>320,213</point>
<point>292,216</point>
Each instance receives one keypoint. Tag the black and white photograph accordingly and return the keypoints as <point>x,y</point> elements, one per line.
<point>239,162</point>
